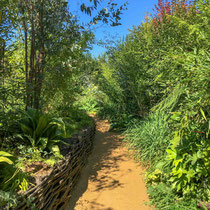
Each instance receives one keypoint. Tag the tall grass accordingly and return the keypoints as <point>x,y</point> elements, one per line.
<point>150,137</point>
<point>170,102</point>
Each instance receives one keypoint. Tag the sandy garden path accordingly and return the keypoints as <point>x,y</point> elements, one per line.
<point>111,180</point>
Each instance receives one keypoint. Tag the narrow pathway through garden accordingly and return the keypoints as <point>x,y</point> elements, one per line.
<point>111,180</point>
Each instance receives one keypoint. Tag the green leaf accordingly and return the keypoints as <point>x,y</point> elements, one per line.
<point>176,116</point>
<point>42,124</point>
<point>194,158</point>
<point>43,143</point>
<point>55,148</point>
<point>178,187</point>
<point>171,154</point>
<point>202,112</point>
<point>176,162</point>
<point>56,151</point>
<point>176,140</point>
<point>199,154</point>
<point>190,174</point>
<point>5,154</point>
<point>5,160</point>
<point>26,129</point>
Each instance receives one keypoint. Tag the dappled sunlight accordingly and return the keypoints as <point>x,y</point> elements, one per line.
<point>110,176</point>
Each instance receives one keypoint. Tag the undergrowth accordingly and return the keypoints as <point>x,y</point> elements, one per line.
<point>163,197</point>
<point>150,137</point>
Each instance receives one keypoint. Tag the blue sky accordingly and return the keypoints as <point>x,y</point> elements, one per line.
<point>133,16</point>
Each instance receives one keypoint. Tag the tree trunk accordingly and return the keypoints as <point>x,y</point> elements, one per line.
<point>31,72</point>
<point>39,61</point>
<point>2,65</point>
<point>27,102</point>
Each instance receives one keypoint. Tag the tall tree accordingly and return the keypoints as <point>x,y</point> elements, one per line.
<point>47,25</point>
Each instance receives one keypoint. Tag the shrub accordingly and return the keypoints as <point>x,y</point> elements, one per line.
<point>10,176</point>
<point>8,199</point>
<point>41,130</point>
<point>163,197</point>
<point>189,157</point>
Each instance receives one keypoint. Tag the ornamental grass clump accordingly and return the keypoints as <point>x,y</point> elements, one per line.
<point>150,137</point>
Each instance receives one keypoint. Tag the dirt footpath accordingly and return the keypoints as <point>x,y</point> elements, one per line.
<point>111,180</point>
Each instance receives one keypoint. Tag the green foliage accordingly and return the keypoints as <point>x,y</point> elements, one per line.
<point>169,103</point>
<point>28,155</point>
<point>41,130</point>
<point>108,14</point>
<point>44,64</point>
<point>150,137</point>
<point>8,199</point>
<point>163,197</point>
<point>74,118</point>
<point>154,177</point>
<point>160,69</point>
<point>8,171</point>
<point>160,74</point>
<point>8,123</point>
<point>189,155</point>
<point>5,157</point>
<point>24,185</point>
<point>10,175</point>
<point>88,100</point>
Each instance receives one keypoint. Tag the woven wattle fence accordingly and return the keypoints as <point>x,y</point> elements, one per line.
<point>55,189</point>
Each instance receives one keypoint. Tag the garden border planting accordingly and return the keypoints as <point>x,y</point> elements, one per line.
<point>55,189</point>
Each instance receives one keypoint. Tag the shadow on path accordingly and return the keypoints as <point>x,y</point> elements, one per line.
<point>101,158</point>
<point>110,180</point>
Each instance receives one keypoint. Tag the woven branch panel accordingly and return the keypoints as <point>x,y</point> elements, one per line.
<point>55,189</point>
